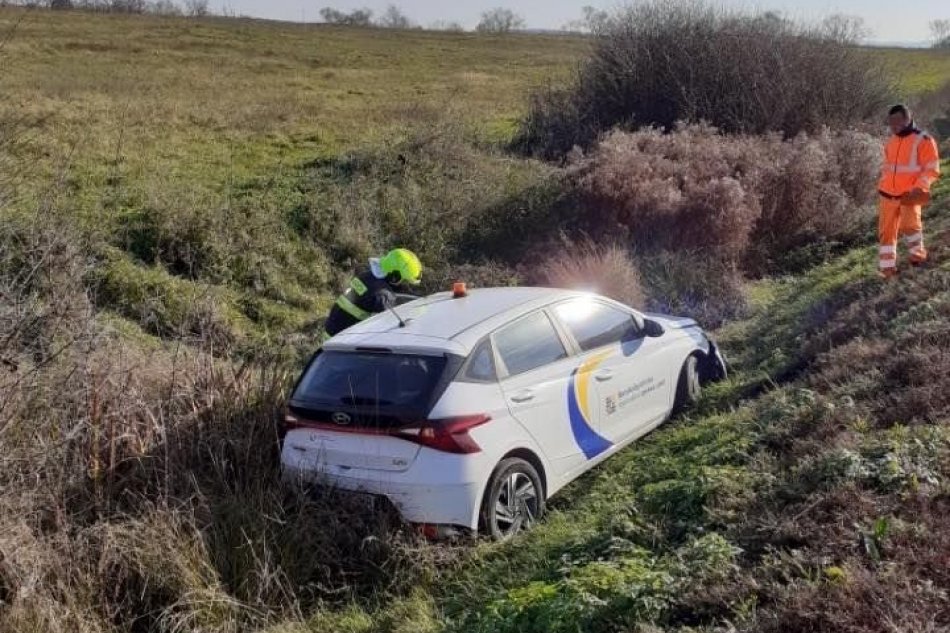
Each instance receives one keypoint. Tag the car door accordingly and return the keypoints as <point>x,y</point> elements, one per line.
<point>535,368</point>
<point>623,365</point>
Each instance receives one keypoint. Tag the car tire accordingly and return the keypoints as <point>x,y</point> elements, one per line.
<point>514,499</point>
<point>689,385</point>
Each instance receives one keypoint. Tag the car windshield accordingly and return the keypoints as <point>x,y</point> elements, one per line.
<point>371,379</point>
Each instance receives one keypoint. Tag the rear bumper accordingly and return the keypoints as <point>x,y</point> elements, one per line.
<point>450,503</point>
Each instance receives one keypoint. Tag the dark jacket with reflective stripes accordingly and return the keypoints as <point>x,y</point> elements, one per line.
<point>366,296</point>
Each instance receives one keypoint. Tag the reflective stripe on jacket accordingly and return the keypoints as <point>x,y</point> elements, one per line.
<point>366,296</point>
<point>910,162</point>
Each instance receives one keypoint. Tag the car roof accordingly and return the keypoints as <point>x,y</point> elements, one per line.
<point>440,322</point>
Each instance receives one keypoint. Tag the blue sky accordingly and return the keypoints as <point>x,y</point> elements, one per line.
<point>890,20</point>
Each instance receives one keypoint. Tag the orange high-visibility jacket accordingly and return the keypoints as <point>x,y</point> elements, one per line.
<point>910,161</point>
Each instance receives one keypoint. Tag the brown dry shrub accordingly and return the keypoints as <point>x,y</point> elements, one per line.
<point>142,489</point>
<point>141,484</point>
<point>674,192</point>
<point>607,270</point>
<point>813,189</point>
<point>745,200</point>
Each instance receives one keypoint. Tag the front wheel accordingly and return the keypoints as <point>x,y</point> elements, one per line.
<point>689,386</point>
<point>514,500</point>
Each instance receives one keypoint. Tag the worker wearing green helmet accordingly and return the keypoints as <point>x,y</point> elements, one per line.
<point>375,290</point>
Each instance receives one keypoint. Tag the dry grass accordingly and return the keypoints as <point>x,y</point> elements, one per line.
<point>140,478</point>
<point>607,270</point>
<point>743,200</point>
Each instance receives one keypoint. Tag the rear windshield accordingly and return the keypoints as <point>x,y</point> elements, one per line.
<point>371,381</point>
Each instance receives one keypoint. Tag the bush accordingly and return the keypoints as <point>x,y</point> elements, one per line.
<point>673,192</point>
<point>742,201</point>
<point>661,62</point>
<point>357,17</point>
<point>933,113</point>
<point>607,270</point>
<point>431,190</point>
<point>816,190</point>
<point>499,20</point>
<point>690,284</point>
<point>141,488</point>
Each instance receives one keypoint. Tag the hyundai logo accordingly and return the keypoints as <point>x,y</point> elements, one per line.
<point>341,418</point>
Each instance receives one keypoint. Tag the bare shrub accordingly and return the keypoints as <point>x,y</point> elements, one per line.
<point>394,18</point>
<point>357,17</point>
<point>740,200</point>
<point>672,192</point>
<point>940,33</point>
<point>196,8</point>
<point>607,270</point>
<point>499,20</point>
<point>660,62</point>
<point>817,190</point>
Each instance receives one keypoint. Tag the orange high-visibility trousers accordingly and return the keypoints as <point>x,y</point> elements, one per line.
<point>897,220</point>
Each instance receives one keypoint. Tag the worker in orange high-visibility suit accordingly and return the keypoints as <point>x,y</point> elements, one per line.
<point>911,166</point>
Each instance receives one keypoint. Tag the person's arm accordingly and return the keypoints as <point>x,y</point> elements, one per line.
<point>383,299</point>
<point>929,159</point>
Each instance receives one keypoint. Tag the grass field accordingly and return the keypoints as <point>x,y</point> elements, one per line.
<point>171,117</point>
<point>150,121</point>
<point>194,192</point>
<point>226,99</point>
<point>917,70</point>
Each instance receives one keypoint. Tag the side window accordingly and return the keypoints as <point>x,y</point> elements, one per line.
<point>595,324</point>
<point>529,343</point>
<point>481,364</point>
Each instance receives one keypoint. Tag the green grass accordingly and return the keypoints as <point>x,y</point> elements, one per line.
<point>644,537</point>
<point>215,101</point>
<point>917,70</point>
<point>220,148</point>
<point>193,143</point>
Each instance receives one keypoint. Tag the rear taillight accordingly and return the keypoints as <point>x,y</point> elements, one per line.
<point>447,434</point>
<point>444,434</point>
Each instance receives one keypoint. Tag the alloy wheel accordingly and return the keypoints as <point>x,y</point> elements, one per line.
<point>516,504</point>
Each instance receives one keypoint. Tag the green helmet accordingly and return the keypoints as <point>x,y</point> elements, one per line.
<point>404,263</point>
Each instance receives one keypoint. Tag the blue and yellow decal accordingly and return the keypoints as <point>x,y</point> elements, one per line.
<point>578,408</point>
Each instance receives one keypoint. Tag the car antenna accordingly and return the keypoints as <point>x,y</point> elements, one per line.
<point>398,318</point>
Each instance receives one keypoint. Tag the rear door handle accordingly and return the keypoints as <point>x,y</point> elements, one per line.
<point>604,375</point>
<point>523,396</point>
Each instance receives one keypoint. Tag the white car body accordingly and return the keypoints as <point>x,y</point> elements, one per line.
<point>564,416</point>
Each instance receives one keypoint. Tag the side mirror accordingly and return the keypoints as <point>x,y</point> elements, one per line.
<point>652,329</point>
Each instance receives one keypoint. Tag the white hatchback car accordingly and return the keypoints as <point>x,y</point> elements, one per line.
<point>468,412</point>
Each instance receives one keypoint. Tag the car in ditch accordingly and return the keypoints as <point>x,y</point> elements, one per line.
<point>468,410</point>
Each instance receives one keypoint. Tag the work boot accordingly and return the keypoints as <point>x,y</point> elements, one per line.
<point>887,273</point>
